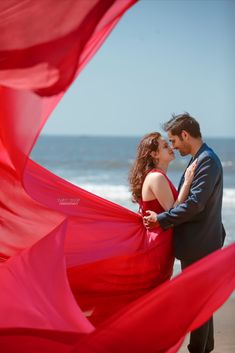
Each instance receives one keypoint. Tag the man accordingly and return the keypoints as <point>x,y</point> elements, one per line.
<point>198,229</point>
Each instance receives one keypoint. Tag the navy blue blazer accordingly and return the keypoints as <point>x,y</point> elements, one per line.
<point>198,228</point>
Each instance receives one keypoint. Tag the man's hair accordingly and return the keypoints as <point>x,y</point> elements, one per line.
<point>181,122</point>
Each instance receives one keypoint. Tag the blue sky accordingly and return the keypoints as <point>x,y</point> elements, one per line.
<point>162,57</point>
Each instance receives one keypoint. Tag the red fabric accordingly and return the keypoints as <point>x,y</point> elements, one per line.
<point>36,285</point>
<point>103,287</point>
<point>155,323</point>
<point>43,46</point>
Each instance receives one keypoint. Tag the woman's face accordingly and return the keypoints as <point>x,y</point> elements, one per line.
<point>165,153</point>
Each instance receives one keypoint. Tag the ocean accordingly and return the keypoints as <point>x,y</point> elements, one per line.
<point>101,166</point>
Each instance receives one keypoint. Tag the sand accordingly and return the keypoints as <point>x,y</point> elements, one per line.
<point>224,322</point>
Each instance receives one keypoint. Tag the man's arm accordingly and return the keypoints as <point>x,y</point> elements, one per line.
<point>206,176</point>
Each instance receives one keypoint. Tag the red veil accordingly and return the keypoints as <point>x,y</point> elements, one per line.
<point>56,237</point>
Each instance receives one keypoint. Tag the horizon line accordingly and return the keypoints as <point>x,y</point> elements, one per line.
<point>120,136</point>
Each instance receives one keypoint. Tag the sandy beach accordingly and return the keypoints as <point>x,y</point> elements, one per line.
<point>224,321</point>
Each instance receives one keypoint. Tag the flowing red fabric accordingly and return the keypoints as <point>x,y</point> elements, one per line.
<point>43,47</point>
<point>154,323</point>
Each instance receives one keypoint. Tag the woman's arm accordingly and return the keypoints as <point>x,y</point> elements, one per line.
<point>188,178</point>
<point>159,189</point>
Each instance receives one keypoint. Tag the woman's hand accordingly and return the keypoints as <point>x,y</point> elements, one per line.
<point>190,171</point>
<point>185,189</point>
<point>150,220</point>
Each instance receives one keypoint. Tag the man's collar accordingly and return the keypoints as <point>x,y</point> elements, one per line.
<point>201,149</point>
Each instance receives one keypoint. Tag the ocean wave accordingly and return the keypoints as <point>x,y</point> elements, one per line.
<point>227,164</point>
<point>121,192</point>
<point>107,191</point>
<point>229,197</point>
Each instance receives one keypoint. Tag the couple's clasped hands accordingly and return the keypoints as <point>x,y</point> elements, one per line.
<point>150,218</point>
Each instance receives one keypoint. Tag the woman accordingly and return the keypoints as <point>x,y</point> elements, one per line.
<point>106,286</point>
<point>149,184</point>
<point>119,280</point>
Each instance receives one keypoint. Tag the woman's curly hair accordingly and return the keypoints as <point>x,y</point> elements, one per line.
<point>143,163</point>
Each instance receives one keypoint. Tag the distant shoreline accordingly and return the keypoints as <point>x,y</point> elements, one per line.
<point>126,136</point>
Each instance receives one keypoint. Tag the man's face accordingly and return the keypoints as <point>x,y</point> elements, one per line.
<point>179,143</point>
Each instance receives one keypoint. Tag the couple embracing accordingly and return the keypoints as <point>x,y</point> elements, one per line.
<point>194,212</point>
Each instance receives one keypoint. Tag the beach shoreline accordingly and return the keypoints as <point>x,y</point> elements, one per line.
<point>224,326</point>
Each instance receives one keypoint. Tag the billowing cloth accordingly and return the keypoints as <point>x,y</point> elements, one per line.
<point>39,313</point>
<point>43,47</point>
<point>37,285</point>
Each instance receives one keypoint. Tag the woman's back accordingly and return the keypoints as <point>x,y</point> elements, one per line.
<point>149,201</point>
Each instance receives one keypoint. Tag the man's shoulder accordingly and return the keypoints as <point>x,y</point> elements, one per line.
<point>209,155</point>
<point>208,152</point>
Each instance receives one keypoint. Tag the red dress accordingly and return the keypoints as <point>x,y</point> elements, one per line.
<point>103,287</point>
<point>154,205</point>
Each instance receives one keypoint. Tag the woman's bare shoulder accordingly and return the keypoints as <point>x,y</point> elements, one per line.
<point>156,176</point>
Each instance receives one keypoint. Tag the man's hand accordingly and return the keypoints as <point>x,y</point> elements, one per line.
<point>150,221</point>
